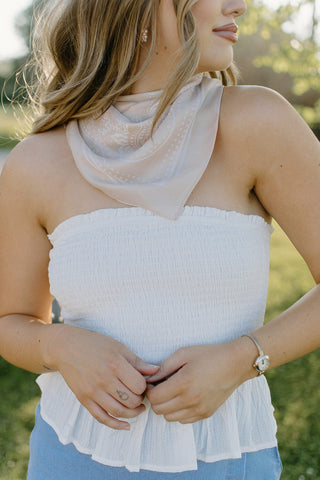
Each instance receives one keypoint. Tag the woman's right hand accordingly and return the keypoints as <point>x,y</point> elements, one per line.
<point>106,377</point>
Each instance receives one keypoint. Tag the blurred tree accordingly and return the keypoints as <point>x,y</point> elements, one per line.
<point>315,20</point>
<point>23,22</point>
<point>294,59</point>
<point>11,85</point>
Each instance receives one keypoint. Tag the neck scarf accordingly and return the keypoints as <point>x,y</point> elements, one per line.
<point>116,155</point>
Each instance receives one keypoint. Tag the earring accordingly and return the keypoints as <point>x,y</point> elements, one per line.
<point>144,38</point>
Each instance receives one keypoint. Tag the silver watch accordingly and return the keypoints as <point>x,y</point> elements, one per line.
<point>262,362</point>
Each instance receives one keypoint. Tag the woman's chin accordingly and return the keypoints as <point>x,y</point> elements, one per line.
<point>216,66</point>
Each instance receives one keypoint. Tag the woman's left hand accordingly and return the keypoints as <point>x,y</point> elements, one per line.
<point>202,377</point>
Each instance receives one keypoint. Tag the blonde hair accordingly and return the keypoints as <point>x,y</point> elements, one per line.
<point>86,53</point>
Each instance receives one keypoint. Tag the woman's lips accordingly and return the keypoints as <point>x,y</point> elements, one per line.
<point>228,31</point>
<point>232,27</point>
<point>228,35</point>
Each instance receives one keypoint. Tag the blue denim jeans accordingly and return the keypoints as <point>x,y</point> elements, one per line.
<point>51,460</point>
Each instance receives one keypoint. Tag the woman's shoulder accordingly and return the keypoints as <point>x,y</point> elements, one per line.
<point>38,157</point>
<point>250,118</point>
<point>247,105</point>
<point>37,165</point>
<point>38,151</point>
<point>248,93</point>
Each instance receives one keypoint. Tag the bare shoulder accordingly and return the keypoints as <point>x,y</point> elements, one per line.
<point>269,130</point>
<point>254,117</point>
<point>35,166</point>
<point>284,155</point>
<point>37,153</point>
<point>251,98</point>
<point>250,109</point>
<point>25,184</point>
<point>245,111</point>
<point>263,130</point>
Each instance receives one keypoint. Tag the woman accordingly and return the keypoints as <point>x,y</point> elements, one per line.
<point>158,247</point>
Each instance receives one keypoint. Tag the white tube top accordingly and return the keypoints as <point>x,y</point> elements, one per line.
<point>156,285</point>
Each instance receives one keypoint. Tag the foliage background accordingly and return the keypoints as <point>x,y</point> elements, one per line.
<point>266,55</point>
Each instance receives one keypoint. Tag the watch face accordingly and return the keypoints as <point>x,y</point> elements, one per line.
<point>262,363</point>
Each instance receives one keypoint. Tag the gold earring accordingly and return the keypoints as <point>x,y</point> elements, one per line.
<point>144,38</point>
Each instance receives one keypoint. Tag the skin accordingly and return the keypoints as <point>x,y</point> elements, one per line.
<point>216,52</point>
<point>273,173</point>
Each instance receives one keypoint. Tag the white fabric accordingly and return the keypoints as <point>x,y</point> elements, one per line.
<point>156,285</point>
<point>115,153</point>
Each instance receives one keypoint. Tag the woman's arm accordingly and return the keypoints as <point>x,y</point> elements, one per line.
<point>286,157</point>
<point>25,300</point>
<point>103,373</point>
<point>287,183</point>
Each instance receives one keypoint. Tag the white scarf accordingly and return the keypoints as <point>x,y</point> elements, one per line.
<point>115,153</point>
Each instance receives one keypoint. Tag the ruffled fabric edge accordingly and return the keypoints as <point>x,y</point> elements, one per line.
<point>196,212</point>
<point>244,423</point>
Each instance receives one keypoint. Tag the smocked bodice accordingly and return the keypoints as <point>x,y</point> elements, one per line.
<point>155,285</point>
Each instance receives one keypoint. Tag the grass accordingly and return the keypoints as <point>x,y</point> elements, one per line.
<point>294,387</point>
<point>19,396</point>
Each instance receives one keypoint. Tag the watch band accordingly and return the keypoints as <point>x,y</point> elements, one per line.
<point>263,361</point>
<point>257,344</point>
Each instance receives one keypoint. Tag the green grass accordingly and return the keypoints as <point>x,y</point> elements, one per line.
<point>294,387</point>
<point>19,396</point>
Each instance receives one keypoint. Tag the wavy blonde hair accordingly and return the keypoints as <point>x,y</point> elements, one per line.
<point>86,53</point>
